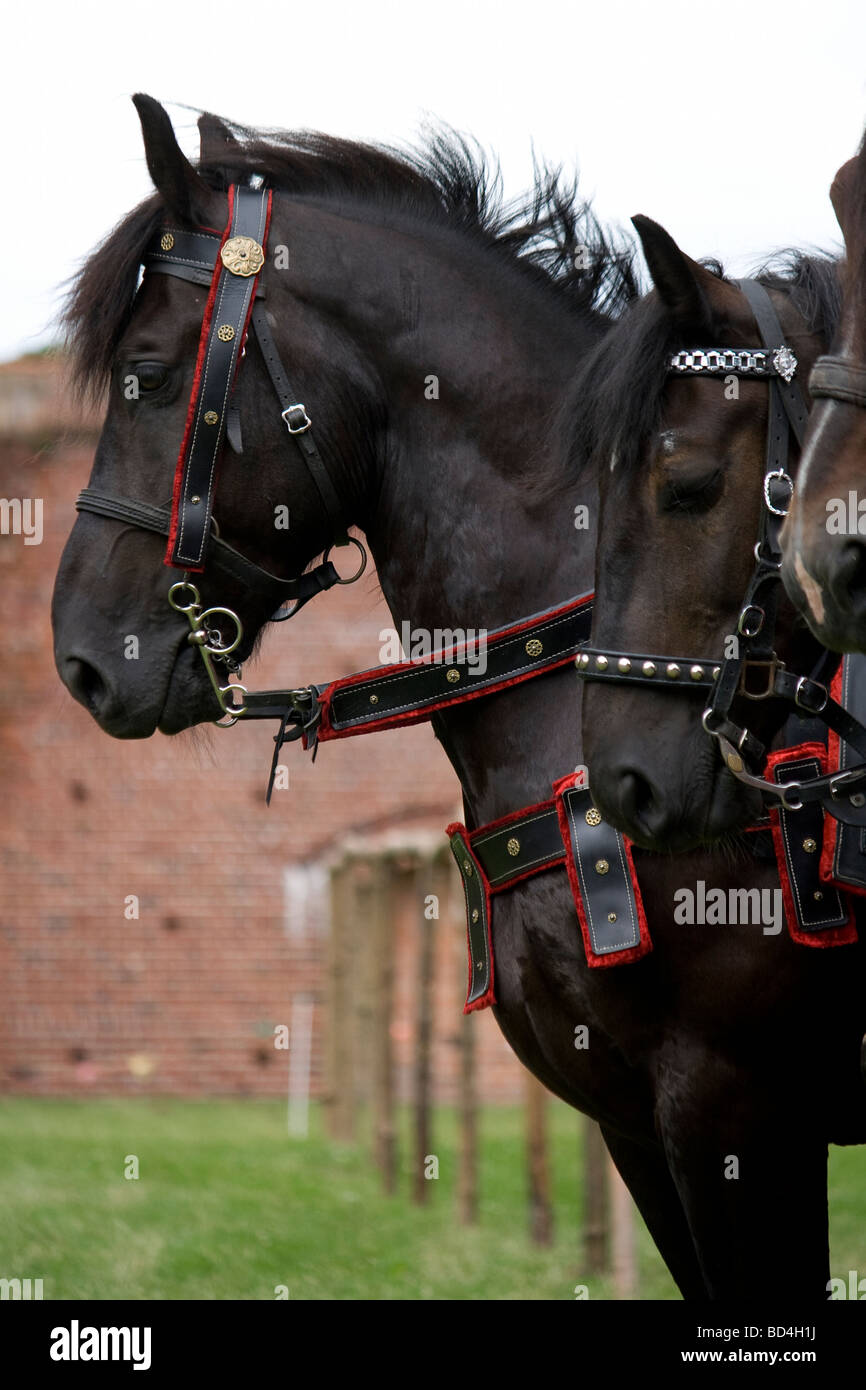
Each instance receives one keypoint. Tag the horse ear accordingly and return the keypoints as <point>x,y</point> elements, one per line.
<point>217,141</point>
<point>683,285</point>
<point>842,191</point>
<point>185,193</point>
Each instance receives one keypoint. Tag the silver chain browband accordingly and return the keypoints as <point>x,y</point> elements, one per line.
<point>762,362</point>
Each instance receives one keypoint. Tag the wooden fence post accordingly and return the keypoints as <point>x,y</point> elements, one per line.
<point>423,882</point>
<point>623,1235</point>
<point>467,1095</point>
<point>540,1205</point>
<point>382,932</point>
<point>595,1207</point>
<point>340,1091</point>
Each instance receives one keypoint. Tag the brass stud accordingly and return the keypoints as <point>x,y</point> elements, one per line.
<point>735,762</point>
<point>242,256</point>
<point>601,866</point>
<point>211,417</point>
<point>225,332</point>
<point>717,671</point>
<point>624,665</point>
<point>479,965</point>
<point>475,914</point>
<point>513,846</point>
<point>166,241</point>
<point>697,673</point>
<point>374,699</point>
<point>601,662</point>
<point>818,896</point>
<point>452,676</point>
<point>810,845</point>
<point>467,864</point>
<point>593,817</point>
<point>611,916</point>
<point>672,670</point>
<point>534,647</point>
<point>195,499</point>
<point>649,668</point>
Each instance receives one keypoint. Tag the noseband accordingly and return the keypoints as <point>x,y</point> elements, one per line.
<point>755,672</point>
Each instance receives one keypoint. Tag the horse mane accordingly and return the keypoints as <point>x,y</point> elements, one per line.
<point>621,383</point>
<point>549,235</point>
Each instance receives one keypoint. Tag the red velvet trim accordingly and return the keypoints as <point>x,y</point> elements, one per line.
<point>489,996</point>
<point>527,873</point>
<point>193,399</point>
<point>829,936</point>
<point>631,953</point>
<point>832,827</point>
<point>327,732</point>
<point>509,820</point>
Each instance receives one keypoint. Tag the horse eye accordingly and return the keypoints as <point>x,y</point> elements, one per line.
<point>151,375</point>
<point>685,496</point>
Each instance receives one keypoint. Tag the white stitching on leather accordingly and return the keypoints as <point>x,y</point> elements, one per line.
<point>804,766</point>
<point>481,685</point>
<point>617,945</point>
<point>229,379</point>
<point>478,871</point>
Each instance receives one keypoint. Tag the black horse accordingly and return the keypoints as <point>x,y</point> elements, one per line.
<point>401,269</point>
<point>766,1065</point>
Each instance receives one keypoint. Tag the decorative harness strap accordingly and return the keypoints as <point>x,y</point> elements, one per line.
<point>223,333</point>
<point>565,830</point>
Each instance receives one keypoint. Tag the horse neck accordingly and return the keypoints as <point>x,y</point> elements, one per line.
<point>465,531</point>
<point>472,359</point>
<point>462,536</point>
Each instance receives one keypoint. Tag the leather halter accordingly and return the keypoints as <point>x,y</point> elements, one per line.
<point>755,672</point>
<point>838,379</point>
<point>230,265</point>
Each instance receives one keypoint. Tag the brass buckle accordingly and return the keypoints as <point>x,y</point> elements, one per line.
<point>770,667</point>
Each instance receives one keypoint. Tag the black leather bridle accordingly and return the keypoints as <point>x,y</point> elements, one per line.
<point>838,379</point>
<point>755,671</point>
<point>230,266</point>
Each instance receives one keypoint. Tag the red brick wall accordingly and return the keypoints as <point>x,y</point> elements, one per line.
<point>184,1000</point>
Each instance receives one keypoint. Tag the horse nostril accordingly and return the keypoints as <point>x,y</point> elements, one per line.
<point>847,578</point>
<point>84,682</point>
<point>636,795</point>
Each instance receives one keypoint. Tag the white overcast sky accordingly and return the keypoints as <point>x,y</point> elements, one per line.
<point>725,122</point>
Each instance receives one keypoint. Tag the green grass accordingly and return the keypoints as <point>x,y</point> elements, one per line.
<point>227,1206</point>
